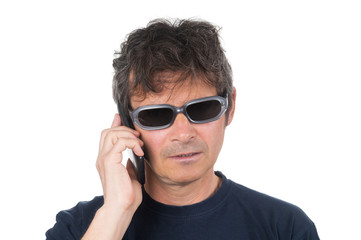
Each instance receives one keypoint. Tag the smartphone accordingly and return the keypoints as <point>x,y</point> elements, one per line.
<point>137,161</point>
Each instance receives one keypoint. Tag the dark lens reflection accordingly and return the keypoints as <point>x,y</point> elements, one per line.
<point>204,110</point>
<point>155,117</point>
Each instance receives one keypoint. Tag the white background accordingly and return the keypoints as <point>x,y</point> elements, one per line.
<point>295,136</point>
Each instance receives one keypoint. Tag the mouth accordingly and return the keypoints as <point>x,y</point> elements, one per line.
<point>186,157</point>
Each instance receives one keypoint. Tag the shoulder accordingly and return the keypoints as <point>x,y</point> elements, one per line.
<point>272,213</point>
<point>72,223</point>
<point>252,198</point>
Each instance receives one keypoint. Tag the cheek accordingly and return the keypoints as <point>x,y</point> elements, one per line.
<point>153,142</point>
<point>213,134</point>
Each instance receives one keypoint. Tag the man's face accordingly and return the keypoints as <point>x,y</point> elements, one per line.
<point>183,152</point>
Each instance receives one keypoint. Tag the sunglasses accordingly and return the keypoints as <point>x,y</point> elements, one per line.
<point>160,116</point>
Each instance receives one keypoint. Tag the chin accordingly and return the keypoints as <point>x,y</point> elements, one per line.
<point>184,179</point>
<point>184,176</point>
<point>180,173</point>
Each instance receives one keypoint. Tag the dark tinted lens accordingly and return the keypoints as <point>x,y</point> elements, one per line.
<point>204,110</point>
<point>155,117</point>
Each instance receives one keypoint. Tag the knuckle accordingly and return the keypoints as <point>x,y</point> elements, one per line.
<point>97,164</point>
<point>104,133</point>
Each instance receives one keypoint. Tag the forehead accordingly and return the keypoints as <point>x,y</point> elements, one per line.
<point>175,94</point>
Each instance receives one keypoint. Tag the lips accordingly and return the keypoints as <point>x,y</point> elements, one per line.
<point>192,151</point>
<point>186,155</point>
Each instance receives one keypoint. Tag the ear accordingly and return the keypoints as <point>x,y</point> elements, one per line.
<point>233,107</point>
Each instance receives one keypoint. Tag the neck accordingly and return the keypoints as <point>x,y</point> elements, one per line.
<point>181,194</point>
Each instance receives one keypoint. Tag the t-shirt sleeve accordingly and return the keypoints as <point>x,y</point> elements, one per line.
<point>278,219</point>
<point>72,224</point>
<point>302,227</point>
<point>310,234</point>
<point>67,226</point>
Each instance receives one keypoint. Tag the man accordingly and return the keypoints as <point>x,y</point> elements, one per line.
<point>175,83</point>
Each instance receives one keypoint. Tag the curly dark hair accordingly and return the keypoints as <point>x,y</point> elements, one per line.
<point>190,48</point>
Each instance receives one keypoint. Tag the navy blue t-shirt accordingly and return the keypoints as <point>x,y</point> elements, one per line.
<point>233,212</point>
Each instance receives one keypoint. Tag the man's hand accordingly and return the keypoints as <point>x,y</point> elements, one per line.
<point>122,191</point>
<point>120,186</point>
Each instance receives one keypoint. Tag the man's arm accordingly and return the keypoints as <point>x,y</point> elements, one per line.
<point>122,191</point>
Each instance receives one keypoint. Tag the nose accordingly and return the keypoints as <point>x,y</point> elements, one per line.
<point>182,129</point>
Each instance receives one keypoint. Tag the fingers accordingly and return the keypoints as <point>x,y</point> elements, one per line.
<point>116,121</point>
<point>117,140</point>
<point>111,135</point>
<point>124,143</point>
<point>114,141</point>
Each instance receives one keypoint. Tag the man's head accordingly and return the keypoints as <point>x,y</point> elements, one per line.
<point>187,49</point>
<point>177,64</point>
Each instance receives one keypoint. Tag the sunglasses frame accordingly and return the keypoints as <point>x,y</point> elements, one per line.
<point>176,110</point>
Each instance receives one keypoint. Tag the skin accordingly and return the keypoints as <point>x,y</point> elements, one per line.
<point>171,177</point>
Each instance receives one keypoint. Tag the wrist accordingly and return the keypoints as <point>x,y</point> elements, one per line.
<point>115,212</point>
<point>109,223</point>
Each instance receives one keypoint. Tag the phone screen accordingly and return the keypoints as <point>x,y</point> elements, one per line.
<point>137,161</point>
